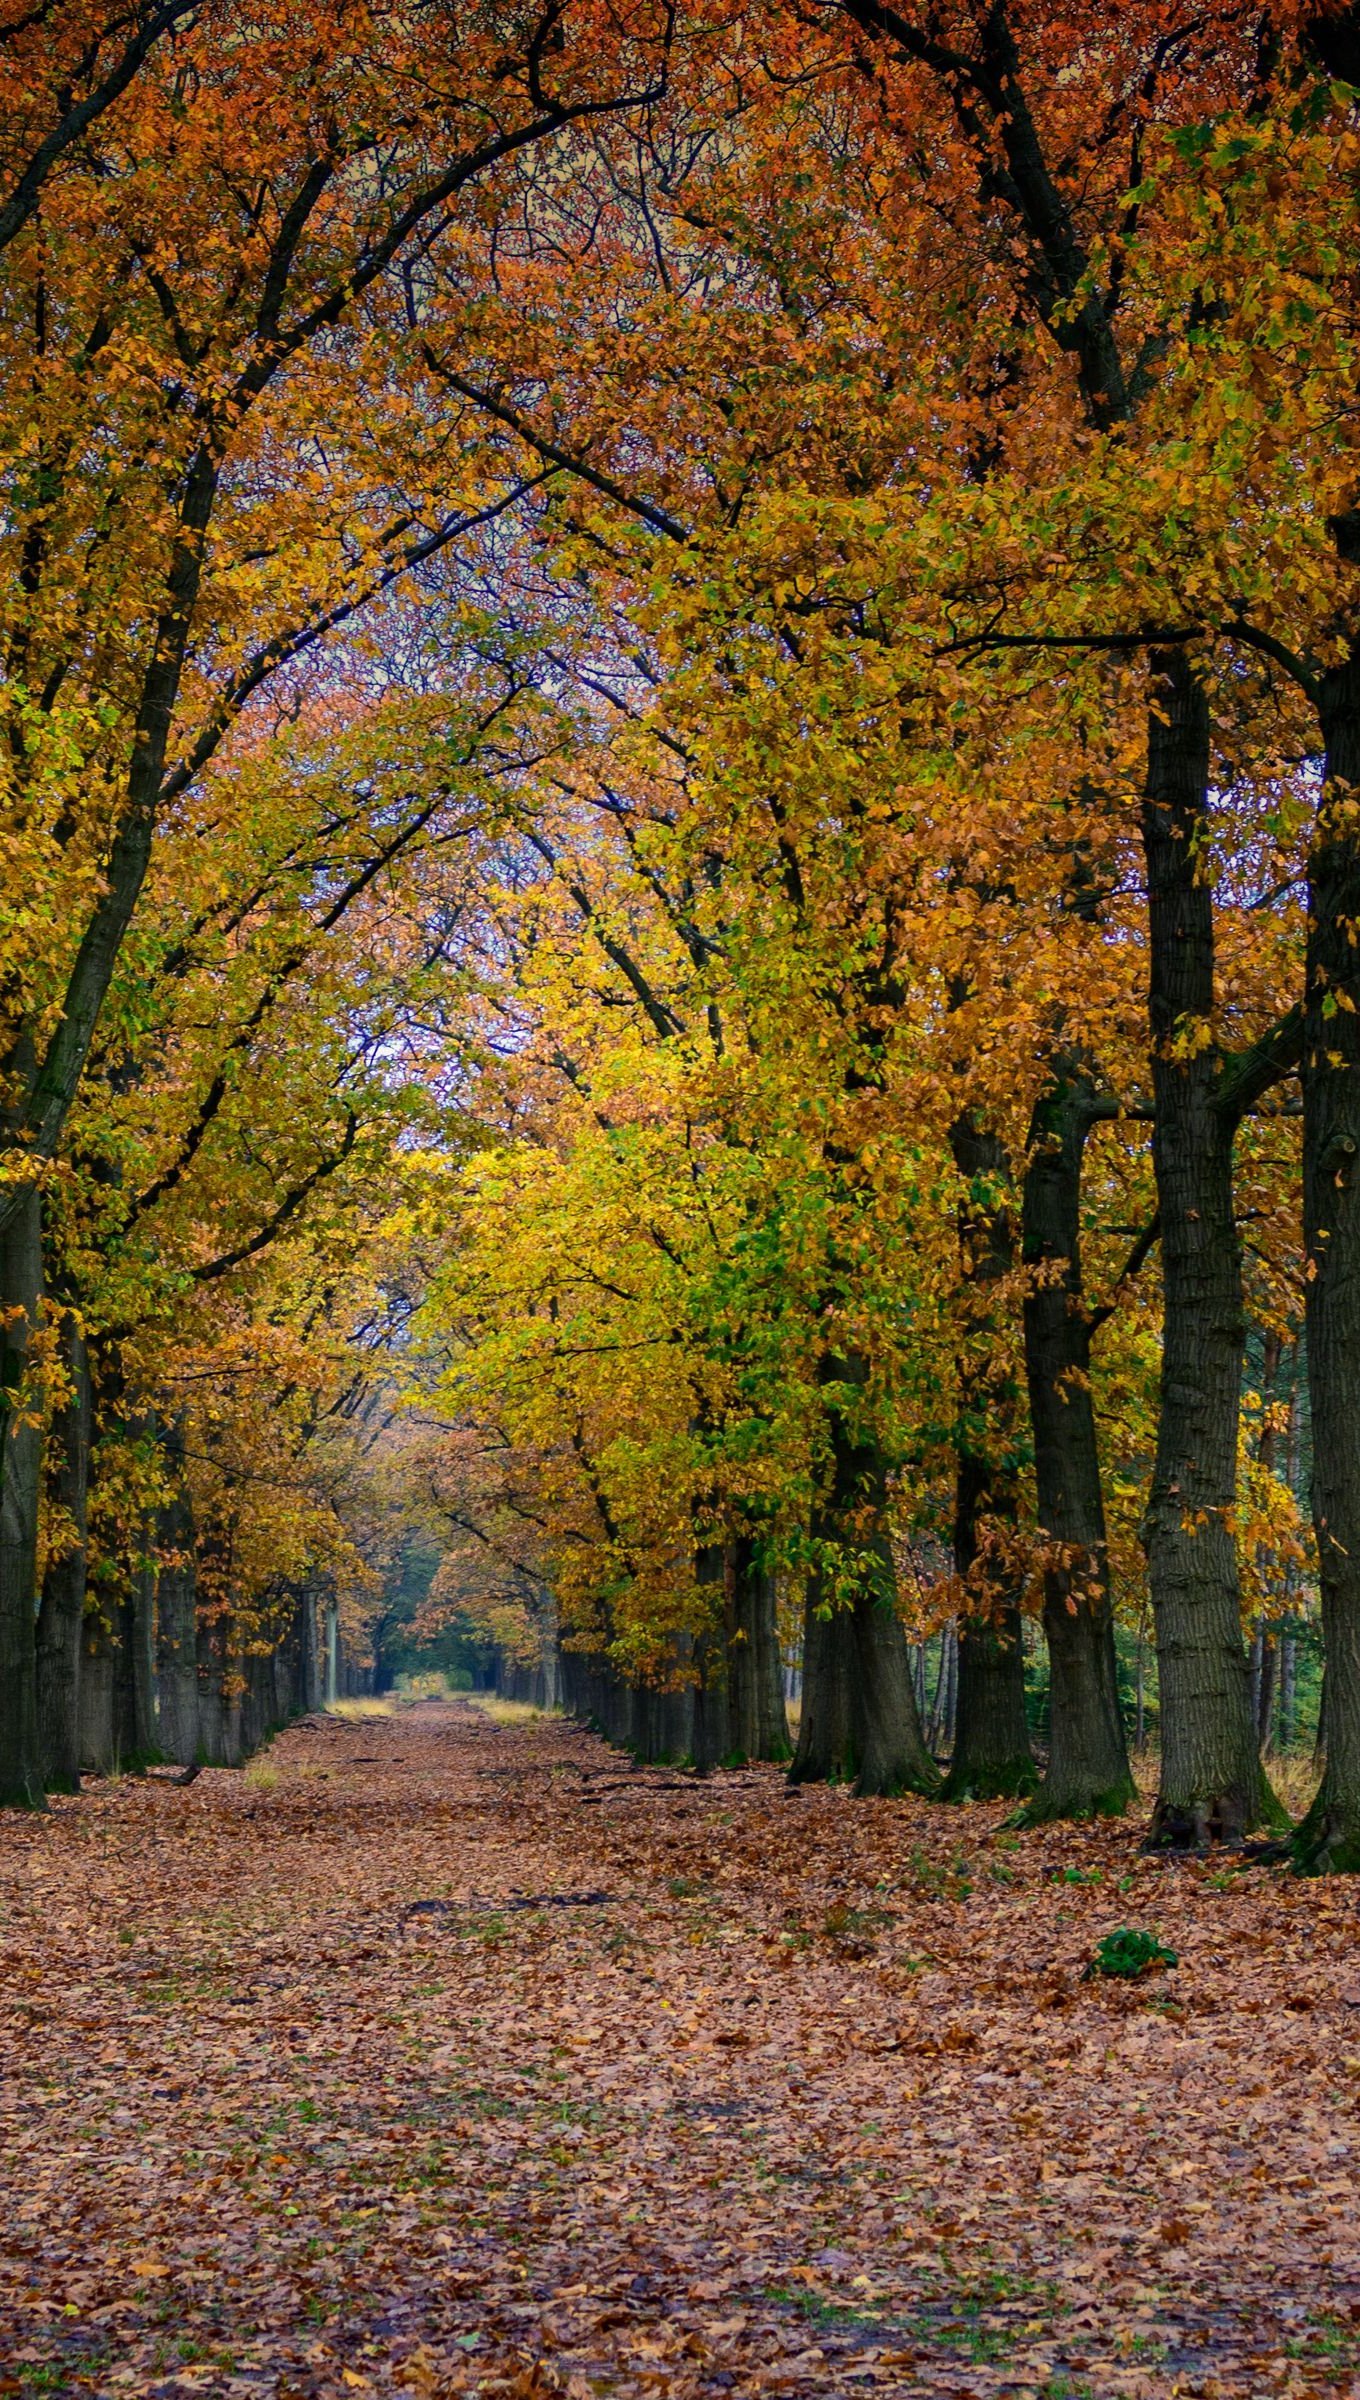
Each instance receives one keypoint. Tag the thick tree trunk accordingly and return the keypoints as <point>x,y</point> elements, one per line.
<point>134,1675</point>
<point>292,1676</point>
<point>1328,1841</point>
<point>892,1752</point>
<point>218,1714</point>
<point>827,1749</point>
<point>859,1717</point>
<point>757,1722</point>
<point>177,1629</point>
<point>992,1755</point>
<point>98,1661</point>
<point>311,1651</point>
<point>259,1717</point>
<point>992,1758</point>
<point>21,1778</point>
<point>1213,1787</point>
<point>1088,1768</point>
<point>61,1613</point>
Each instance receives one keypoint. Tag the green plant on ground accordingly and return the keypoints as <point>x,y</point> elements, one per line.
<point>1129,1952</point>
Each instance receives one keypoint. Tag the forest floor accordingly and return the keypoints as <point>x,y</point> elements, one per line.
<point>434,2056</point>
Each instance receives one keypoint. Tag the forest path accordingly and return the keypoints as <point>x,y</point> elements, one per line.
<point>817,2102</point>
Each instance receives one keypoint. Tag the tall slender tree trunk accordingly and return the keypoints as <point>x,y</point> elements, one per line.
<point>1140,1703</point>
<point>859,1719</point>
<point>1328,1841</point>
<point>177,1627</point>
<point>1088,1768</point>
<point>1213,1787</point>
<point>950,1662</point>
<point>1263,1645</point>
<point>992,1754</point>
<point>1264,1693</point>
<point>61,1612</point>
<point>311,1650</point>
<point>21,1777</point>
<point>1289,1655</point>
<point>941,1726</point>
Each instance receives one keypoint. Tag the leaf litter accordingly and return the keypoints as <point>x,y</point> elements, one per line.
<point>355,2086</point>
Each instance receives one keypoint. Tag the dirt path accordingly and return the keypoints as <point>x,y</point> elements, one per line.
<point>792,2111</point>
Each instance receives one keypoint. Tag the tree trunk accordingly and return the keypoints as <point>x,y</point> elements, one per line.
<point>332,1687</point>
<point>177,1628</point>
<point>946,1689</point>
<point>258,1716</point>
<point>293,1671</point>
<point>1213,1787</point>
<point>827,1749</point>
<point>311,1653</point>
<point>98,1739</point>
<point>992,1758</point>
<point>1328,1841</point>
<point>216,1730</point>
<point>892,1753</point>
<point>758,1725</point>
<point>992,1755</point>
<point>134,1673</point>
<point>1088,1768</point>
<point>1140,1719</point>
<point>21,1779</point>
<point>61,1614</point>
<point>1265,1689</point>
<point>1289,1655</point>
<point>859,1717</point>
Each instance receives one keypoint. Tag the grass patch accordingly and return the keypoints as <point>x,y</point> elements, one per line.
<point>508,1712</point>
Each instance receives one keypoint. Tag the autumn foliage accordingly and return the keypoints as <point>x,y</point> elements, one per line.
<point>679,748</point>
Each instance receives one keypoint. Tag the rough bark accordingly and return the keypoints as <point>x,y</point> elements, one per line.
<point>177,1628</point>
<point>1265,1659</point>
<point>98,1741</point>
<point>992,1757</point>
<point>992,1754</point>
<point>1088,1771</point>
<point>1289,1665</point>
<point>1329,1838</point>
<point>134,1672</point>
<point>21,1778</point>
<point>859,1720</point>
<point>1212,1787</point>
<point>311,1652</point>
<point>218,1713</point>
<point>827,1749</point>
<point>259,1714</point>
<point>757,1721</point>
<point>61,1611</point>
